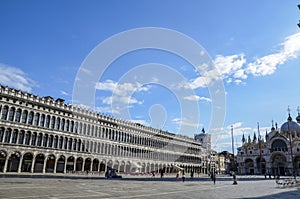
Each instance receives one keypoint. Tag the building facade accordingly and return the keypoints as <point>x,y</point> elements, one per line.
<point>277,154</point>
<point>43,135</point>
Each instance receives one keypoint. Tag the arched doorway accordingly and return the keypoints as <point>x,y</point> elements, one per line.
<point>13,162</point>
<point>122,167</point>
<point>278,165</point>
<point>95,165</point>
<point>249,166</point>
<point>102,166</point>
<point>70,164</point>
<point>297,165</point>
<point>127,167</point>
<point>261,165</point>
<point>39,163</point>
<point>109,164</point>
<point>27,162</point>
<point>152,168</point>
<point>3,155</point>
<point>50,164</point>
<point>87,164</point>
<point>116,165</point>
<point>60,167</point>
<point>79,163</point>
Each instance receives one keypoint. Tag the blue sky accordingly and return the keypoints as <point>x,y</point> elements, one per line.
<point>254,45</point>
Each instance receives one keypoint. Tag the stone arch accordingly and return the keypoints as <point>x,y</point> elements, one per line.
<point>109,164</point>
<point>60,165</point>
<point>122,166</point>
<point>3,155</point>
<point>127,166</point>
<point>148,167</point>
<point>87,164</point>
<point>39,163</point>
<point>261,165</point>
<point>27,162</point>
<point>279,162</point>
<point>296,165</point>
<point>50,163</point>
<point>2,130</point>
<point>279,145</point>
<point>152,167</point>
<point>13,162</point>
<point>95,165</point>
<point>116,165</point>
<point>79,164</point>
<point>103,166</point>
<point>70,164</point>
<point>249,166</point>
<point>143,169</point>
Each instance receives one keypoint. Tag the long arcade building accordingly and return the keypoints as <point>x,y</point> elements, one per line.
<point>43,135</point>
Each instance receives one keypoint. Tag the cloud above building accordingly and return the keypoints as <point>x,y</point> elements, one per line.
<point>237,68</point>
<point>16,78</point>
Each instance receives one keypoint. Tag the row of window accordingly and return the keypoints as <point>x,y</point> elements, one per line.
<point>61,124</point>
<point>68,143</point>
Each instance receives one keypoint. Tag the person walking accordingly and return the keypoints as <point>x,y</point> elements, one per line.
<point>177,176</point>
<point>234,179</point>
<point>183,176</point>
<point>214,177</point>
<point>192,174</point>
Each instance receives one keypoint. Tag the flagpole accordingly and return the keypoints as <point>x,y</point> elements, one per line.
<point>232,145</point>
<point>259,145</point>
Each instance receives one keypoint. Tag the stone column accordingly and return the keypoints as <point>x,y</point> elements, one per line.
<point>99,166</point>
<point>91,165</point>
<point>32,165</point>
<point>74,164</point>
<point>55,164</point>
<point>44,166</point>
<point>5,164</point>
<point>20,164</point>
<point>83,164</point>
<point>65,165</point>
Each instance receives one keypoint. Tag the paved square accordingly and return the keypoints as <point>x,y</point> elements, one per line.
<point>54,188</point>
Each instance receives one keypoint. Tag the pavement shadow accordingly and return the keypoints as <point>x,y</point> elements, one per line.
<point>284,195</point>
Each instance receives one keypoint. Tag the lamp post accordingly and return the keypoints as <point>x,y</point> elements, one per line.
<point>299,20</point>
<point>232,145</point>
<point>291,144</point>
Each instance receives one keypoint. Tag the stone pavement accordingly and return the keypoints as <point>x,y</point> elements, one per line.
<point>139,187</point>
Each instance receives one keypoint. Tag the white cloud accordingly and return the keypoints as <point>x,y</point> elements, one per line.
<point>268,64</point>
<point>121,94</point>
<point>185,122</point>
<point>197,98</point>
<point>228,65</point>
<point>235,69</point>
<point>64,93</point>
<point>16,78</point>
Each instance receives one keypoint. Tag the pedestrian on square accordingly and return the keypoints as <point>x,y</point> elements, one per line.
<point>183,176</point>
<point>214,177</point>
<point>234,179</point>
<point>177,176</point>
<point>192,174</point>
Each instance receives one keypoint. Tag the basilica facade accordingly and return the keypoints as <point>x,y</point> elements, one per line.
<point>277,154</point>
<point>43,135</point>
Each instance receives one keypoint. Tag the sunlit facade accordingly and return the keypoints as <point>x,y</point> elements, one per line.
<point>43,135</point>
<point>277,154</point>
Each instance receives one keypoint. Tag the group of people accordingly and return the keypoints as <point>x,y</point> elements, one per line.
<point>182,176</point>
<point>112,173</point>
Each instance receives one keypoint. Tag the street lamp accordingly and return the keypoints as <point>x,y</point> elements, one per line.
<point>299,20</point>
<point>290,138</point>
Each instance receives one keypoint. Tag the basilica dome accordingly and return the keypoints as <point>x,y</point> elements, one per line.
<point>290,126</point>
<point>298,118</point>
